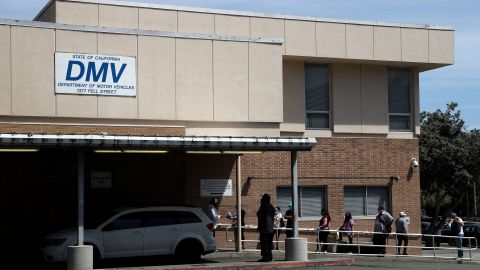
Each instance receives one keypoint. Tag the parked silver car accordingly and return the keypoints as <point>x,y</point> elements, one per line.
<point>185,232</point>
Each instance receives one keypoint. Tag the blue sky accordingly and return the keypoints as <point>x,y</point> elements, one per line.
<point>460,82</point>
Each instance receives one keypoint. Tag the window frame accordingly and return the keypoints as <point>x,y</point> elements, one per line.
<point>307,112</point>
<point>300,188</point>
<point>365,200</point>
<point>411,103</point>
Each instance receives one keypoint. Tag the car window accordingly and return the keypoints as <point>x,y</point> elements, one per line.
<point>163,218</point>
<point>158,218</point>
<point>183,217</point>
<point>127,221</point>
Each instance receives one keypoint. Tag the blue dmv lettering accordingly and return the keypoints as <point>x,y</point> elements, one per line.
<point>92,73</point>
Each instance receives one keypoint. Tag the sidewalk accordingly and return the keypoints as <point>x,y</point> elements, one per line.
<point>228,260</point>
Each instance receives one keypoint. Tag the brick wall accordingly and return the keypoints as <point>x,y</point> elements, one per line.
<point>91,129</point>
<point>334,163</point>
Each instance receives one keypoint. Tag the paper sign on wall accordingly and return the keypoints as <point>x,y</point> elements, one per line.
<point>215,187</point>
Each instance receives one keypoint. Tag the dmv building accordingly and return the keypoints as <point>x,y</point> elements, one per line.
<point>163,100</point>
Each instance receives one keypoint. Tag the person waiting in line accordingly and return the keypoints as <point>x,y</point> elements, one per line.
<point>401,228</point>
<point>278,224</point>
<point>347,228</point>
<point>456,229</point>
<point>213,213</point>
<point>289,218</point>
<point>234,218</point>
<point>323,230</point>
<point>265,216</point>
<point>383,225</point>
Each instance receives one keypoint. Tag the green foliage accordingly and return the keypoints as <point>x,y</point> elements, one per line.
<point>449,158</point>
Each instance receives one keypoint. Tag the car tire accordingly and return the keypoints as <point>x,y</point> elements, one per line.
<point>188,251</point>
<point>97,260</point>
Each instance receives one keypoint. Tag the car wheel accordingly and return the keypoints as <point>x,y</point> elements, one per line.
<point>188,251</point>
<point>97,260</point>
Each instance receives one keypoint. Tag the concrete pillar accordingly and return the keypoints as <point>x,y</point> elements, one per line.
<point>296,249</point>
<point>80,257</point>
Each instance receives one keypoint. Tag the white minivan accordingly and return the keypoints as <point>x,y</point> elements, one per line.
<point>185,232</point>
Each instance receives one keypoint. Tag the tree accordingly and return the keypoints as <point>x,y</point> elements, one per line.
<point>445,161</point>
<point>474,164</point>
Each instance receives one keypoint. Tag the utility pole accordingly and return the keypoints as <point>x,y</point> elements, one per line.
<point>475,199</point>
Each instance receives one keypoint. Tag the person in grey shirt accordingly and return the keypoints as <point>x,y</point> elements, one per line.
<point>383,226</point>
<point>401,227</point>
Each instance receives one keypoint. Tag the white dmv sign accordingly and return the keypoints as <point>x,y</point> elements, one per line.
<point>215,187</point>
<point>94,74</point>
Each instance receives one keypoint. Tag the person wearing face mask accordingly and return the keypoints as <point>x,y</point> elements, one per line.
<point>289,218</point>
<point>213,213</point>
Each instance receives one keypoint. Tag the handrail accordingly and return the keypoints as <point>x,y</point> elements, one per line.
<point>472,241</point>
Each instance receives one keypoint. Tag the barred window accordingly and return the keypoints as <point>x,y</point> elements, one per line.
<point>311,200</point>
<point>399,102</point>
<point>365,200</point>
<point>317,96</point>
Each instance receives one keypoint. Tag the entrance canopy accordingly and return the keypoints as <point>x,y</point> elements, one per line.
<point>157,142</point>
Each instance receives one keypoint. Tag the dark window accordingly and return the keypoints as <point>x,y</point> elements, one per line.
<point>364,201</point>
<point>317,96</point>
<point>399,102</point>
<point>311,200</point>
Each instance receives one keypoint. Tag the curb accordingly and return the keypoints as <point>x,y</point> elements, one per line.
<point>251,265</point>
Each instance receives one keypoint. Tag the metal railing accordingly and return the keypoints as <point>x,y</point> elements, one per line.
<point>362,242</point>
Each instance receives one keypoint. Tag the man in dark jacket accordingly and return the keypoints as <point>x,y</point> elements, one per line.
<point>265,216</point>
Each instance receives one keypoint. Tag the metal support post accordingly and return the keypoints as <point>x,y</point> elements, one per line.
<point>238,243</point>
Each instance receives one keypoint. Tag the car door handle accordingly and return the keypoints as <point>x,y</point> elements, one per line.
<point>137,232</point>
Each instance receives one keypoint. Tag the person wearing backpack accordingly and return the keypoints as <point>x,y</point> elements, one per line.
<point>278,223</point>
<point>383,226</point>
<point>456,229</point>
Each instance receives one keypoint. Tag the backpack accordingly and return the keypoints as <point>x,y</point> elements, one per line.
<point>282,223</point>
<point>454,228</point>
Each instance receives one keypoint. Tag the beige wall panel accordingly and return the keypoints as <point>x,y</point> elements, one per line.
<point>33,71</point>
<point>117,107</point>
<point>76,105</point>
<point>232,25</point>
<point>115,44</point>
<point>75,41</point>
<point>266,27</point>
<point>156,78</point>
<point>387,43</point>
<point>359,41</point>
<point>191,22</point>
<point>5,72</point>
<point>49,14</point>
<point>300,38</point>
<point>76,13</point>
<point>294,94</point>
<point>414,45</point>
<point>156,19</point>
<point>331,40</point>
<point>346,90</point>
<point>374,99</point>
<point>265,83</point>
<point>117,16</point>
<point>194,73</point>
<point>230,73</point>
<point>441,46</point>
